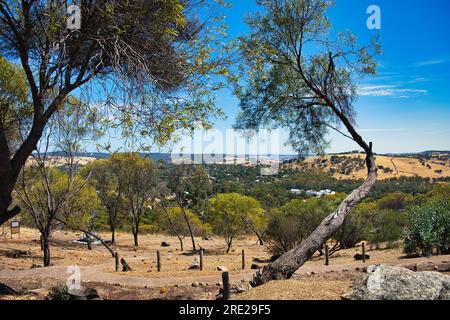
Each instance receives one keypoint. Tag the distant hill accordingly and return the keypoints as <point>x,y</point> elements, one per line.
<point>429,164</point>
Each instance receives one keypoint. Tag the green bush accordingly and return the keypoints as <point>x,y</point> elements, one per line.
<point>356,227</point>
<point>428,231</point>
<point>395,201</point>
<point>59,293</point>
<point>293,222</point>
<point>388,226</point>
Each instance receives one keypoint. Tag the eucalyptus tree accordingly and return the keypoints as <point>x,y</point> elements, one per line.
<point>109,190</point>
<point>136,178</point>
<point>147,64</point>
<point>49,183</point>
<point>178,185</point>
<point>295,75</point>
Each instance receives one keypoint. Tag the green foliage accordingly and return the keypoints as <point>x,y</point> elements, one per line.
<point>85,210</point>
<point>356,227</point>
<point>428,231</point>
<point>292,73</point>
<point>388,226</point>
<point>179,223</point>
<point>15,111</point>
<point>395,201</point>
<point>293,222</point>
<point>270,194</point>
<point>59,293</point>
<point>231,214</point>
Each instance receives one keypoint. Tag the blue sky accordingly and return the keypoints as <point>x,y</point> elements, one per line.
<point>406,107</point>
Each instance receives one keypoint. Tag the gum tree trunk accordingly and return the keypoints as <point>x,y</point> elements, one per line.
<point>291,261</point>
<point>46,249</point>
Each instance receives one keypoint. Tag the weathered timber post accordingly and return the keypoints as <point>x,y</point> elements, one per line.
<point>226,286</point>
<point>158,260</point>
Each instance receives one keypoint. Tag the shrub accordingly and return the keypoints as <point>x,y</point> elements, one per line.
<point>388,226</point>
<point>293,222</point>
<point>428,231</point>
<point>59,293</point>
<point>356,227</point>
<point>232,214</point>
<point>395,201</point>
<point>179,223</point>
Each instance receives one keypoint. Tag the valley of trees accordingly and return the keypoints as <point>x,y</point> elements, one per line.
<point>128,192</point>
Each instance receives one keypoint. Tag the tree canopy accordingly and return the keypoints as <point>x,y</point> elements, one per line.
<point>146,67</point>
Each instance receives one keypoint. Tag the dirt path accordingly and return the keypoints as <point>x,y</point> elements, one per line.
<point>92,274</point>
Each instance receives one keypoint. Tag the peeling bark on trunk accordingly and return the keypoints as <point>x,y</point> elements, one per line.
<point>288,263</point>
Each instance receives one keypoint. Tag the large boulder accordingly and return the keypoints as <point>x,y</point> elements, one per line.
<point>396,283</point>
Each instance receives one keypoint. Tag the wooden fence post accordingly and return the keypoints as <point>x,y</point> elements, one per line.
<point>201,259</point>
<point>226,286</point>
<point>243,259</point>
<point>158,260</point>
<point>327,255</point>
<point>364,252</point>
<point>116,257</point>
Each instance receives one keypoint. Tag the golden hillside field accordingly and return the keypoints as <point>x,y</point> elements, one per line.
<point>352,166</point>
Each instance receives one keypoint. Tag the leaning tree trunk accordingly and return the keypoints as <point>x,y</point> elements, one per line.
<point>285,266</point>
<point>288,263</point>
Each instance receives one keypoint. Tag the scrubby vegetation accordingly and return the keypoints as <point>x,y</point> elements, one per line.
<point>232,201</point>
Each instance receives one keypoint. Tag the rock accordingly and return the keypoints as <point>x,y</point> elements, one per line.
<point>194,267</point>
<point>359,257</point>
<point>429,266</point>
<point>218,284</point>
<point>239,289</point>
<point>165,244</point>
<point>222,268</point>
<point>83,294</point>
<point>7,290</point>
<point>125,266</point>
<point>443,267</point>
<point>163,290</point>
<point>206,238</point>
<point>34,266</point>
<point>195,284</point>
<point>16,254</point>
<point>397,283</point>
<point>255,266</point>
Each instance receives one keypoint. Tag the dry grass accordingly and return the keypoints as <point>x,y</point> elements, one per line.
<point>401,167</point>
<point>303,289</point>
<point>142,259</point>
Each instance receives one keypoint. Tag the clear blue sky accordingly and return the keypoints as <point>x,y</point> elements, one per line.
<point>406,108</point>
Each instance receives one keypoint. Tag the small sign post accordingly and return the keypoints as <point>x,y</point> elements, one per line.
<point>15,228</point>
